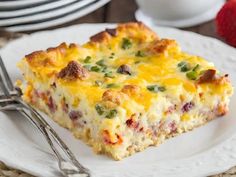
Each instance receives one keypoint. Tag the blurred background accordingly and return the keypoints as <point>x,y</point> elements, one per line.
<point>19,17</point>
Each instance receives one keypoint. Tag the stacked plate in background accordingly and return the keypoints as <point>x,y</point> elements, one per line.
<point>27,15</point>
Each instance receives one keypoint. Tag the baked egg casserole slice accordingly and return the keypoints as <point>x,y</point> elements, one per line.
<point>125,89</point>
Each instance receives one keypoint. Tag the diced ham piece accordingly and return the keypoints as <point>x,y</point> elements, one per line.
<point>75,115</point>
<point>187,107</point>
<point>51,104</point>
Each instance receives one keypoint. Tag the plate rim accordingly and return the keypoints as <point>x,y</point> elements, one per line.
<point>28,11</point>
<point>20,4</point>
<point>54,13</point>
<point>58,21</point>
<point>75,26</point>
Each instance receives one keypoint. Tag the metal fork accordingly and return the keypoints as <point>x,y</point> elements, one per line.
<point>12,101</point>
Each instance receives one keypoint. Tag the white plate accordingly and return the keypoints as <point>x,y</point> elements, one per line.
<point>20,3</point>
<point>58,21</point>
<point>204,151</point>
<point>45,15</point>
<point>187,22</point>
<point>35,9</point>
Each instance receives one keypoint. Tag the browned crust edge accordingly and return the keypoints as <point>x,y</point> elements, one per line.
<point>127,28</point>
<point>100,37</point>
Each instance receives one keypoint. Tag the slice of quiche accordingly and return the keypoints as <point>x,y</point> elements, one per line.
<point>124,90</point>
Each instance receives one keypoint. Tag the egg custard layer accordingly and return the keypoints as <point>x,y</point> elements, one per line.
<point>125,89</point>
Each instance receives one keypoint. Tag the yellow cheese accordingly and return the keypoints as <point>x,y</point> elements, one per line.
<point>156,65</point>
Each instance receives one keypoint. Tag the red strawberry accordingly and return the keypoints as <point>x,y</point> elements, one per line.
<point>226,22</point>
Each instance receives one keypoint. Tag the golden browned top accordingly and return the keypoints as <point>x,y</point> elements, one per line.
<point>126,63</point>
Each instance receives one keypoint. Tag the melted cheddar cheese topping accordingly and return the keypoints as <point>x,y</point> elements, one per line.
<point>151,61</point>
<point>129,74</point>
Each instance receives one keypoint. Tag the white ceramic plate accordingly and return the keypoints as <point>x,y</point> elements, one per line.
<point>45,15</point>
<point>20,3</point>
<point>204,151</point>
<point>35,9</point>
<point>57,21</point>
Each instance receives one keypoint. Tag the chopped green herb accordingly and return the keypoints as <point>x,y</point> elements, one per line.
<point>126,44</point>
<point>161,88</point>
<point>185,68</point>
<point>137,62</point>
<point>87,59</point>
<point>112,55</point>
<point>153,88</point>
<point>156,88</point>
<point>88,67</point>
<point>100,109</point>
<point>140,54</point>
<point>196,67</point>
<point>112,85</point>
<point>182,63</point>
<point>104,69</point>
<point>112,113</point>
<point>101,62</point>
<point>95,69</point>
<point>192,75</point>
<point>98,83</point>
<point>109,74</point>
